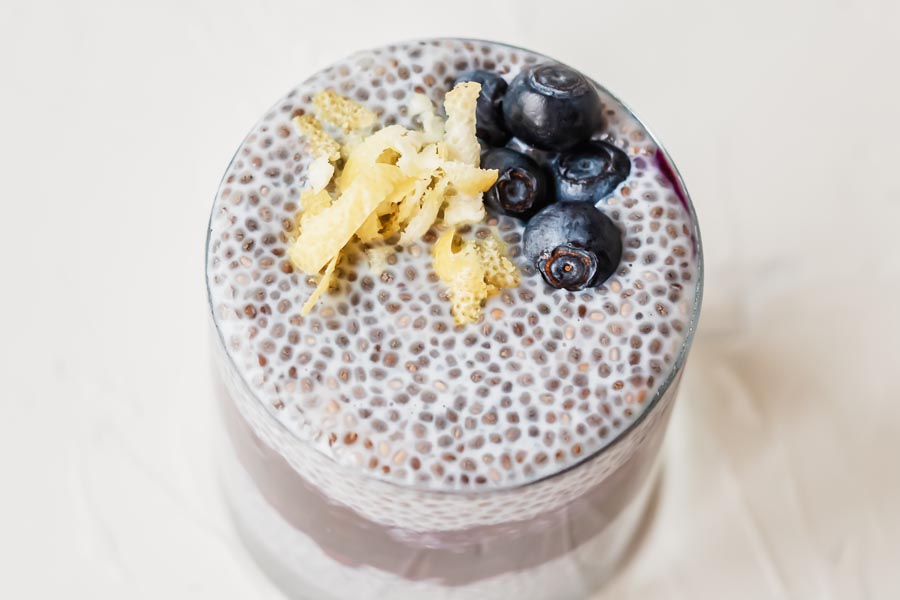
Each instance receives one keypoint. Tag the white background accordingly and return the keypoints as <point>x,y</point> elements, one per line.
<point>116,122</point>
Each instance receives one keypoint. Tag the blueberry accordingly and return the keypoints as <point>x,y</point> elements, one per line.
<point>552,107</point>
<point>541,157</point>
<point>521,188</point>
<point>573,244</point>
<point>590,173</point>
<point>488,113</point>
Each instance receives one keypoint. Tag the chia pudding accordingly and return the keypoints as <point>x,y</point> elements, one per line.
<point>379,450</point>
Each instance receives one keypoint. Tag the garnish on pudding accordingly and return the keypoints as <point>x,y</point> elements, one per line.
<point>521,189</point>
<point>395,181</point>
<point>590,173</point>
<point>473,270</point>
<point>552,175</point>
<point>573,245</point>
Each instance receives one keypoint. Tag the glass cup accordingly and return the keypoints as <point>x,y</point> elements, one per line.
<point>322,529</point>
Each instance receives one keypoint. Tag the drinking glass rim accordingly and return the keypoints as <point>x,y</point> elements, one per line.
<point>671,375</point>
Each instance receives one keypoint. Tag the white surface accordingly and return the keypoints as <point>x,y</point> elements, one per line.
<point>781,473</point>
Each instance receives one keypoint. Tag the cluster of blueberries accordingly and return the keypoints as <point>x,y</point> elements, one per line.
<point>539,133</point>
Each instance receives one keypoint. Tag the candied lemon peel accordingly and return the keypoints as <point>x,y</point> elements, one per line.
<point>473,271</point>
<point>321,143</point>
<point>398,181</point>
<point>460,127</point>
<point>342,111</point>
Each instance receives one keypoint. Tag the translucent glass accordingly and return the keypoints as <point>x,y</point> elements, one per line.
<point>582,523</point>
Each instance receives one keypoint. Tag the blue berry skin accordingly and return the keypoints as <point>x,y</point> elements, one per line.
<point>521,188</point>
<point>552,107</point>
<point>590,173</point>
<point>542,157</point>
<point>488,112</point>
<point>573,245</point>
